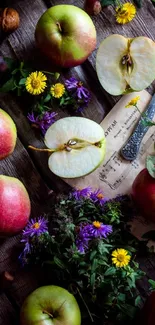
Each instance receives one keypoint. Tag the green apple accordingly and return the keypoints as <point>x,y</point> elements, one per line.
<point>66,34</point>
<point>15,205</point>
<point>8,135</point>
<point>77,146</point>
<point>50,305</point>
<point>125,64</point>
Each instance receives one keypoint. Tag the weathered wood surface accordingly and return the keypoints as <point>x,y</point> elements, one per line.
<point>31,167</point>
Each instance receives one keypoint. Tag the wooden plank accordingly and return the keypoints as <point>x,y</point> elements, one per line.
<point>8,316</point>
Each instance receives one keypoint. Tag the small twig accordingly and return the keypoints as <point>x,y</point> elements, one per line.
<point>92,320</point>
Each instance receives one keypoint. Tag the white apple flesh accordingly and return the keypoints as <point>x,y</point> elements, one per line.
<point>124,64</point>
<point>50,305</point>
<point>79,145</point>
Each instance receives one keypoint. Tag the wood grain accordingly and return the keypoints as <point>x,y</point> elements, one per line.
<point>31,167</point>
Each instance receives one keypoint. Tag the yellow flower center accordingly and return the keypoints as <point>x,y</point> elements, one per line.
<point>100,196</point>
<point>79,84</point>
<point>57,90</point>
<point>36,225</point>
<point>97,224</point>
<point>120,257</point>
<point>35,83</point>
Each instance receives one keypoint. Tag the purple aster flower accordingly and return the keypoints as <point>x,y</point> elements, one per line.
<point>80,193</point>
<point>71,83</point>
<point>79,92</point>
<point>82,239</point>
<point>87,232</point>
<point>98,229</point>
<point>35,227</point>
<point>44,121</point>
<point>98,197</point>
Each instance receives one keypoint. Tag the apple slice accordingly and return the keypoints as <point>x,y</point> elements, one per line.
<point>124,64</point>
<point>77,145</point>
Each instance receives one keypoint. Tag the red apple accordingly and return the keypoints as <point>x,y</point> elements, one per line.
<point>14,205</point>
<point>50,305</point>
<point>66,34</point>
<point>143,192</point>
<point>8,135</point>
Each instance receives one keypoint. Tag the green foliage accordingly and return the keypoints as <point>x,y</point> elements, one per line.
<point>138,3</point>
<point>105,3</point>
<point>150,165</point>
<point>152,284</point>
<point>103,288</point>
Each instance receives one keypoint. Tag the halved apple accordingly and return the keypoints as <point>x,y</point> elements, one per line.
<point>125,64</point>
<point>79,146</point>
<point>76,146</point>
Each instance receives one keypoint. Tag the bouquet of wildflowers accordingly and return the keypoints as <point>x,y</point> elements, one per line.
<point>85,244</point>
<point>45,90</point>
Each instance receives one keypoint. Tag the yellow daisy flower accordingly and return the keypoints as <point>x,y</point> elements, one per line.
<point>57,90</point>
<point>36,83</point>
<point>125,13</point>
<point>120,257</point>
<point>133,101</point>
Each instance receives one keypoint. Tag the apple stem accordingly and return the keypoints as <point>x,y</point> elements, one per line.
<point>42,150</point>
<point>59,26</point>
<point>46,312</point>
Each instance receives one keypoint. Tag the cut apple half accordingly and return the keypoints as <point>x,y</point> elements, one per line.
<point>125,64</point>
<point>77,146</point>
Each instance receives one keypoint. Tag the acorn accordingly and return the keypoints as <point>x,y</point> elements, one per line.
<point>92,7</point>
<point>9,20</point>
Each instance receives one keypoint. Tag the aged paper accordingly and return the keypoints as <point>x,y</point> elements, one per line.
<point>116,175</point>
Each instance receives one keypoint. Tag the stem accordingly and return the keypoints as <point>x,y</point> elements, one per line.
<point>85,305</point>
<point>59,26</point>
<point>46,312</point>
<point>42,150</point>
<point>52,73</point>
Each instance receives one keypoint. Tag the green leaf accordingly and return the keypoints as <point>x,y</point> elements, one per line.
<point>92,255</point>
<point>147,122</point>
<point>47,98</point>
<point>152,284</point>
<point>110,271</point>
<point>105,3</point>
<point>14,71</point>
<point>150,165</point>
<point>94,265</point>
<point>128,310</point>
<point>138,3</point>
<point>24,73</point>
<point>59,263</point>
<point>103,248</point>
<point>9,85</point>
<point>22,81</point>
<point>138,301</point>
<point>92,279</point>
<point>121,297</point>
